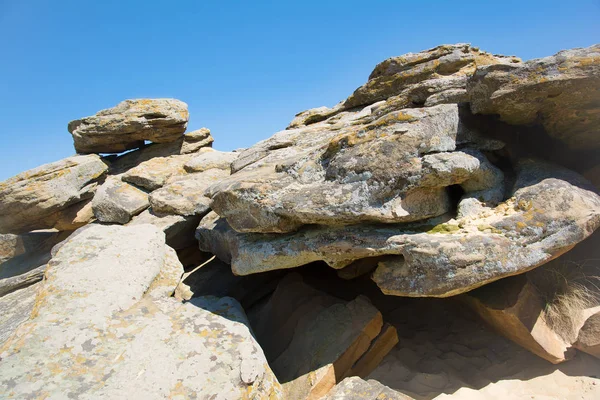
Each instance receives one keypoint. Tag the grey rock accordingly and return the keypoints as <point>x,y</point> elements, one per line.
<point>16,308</point>
<point>127,125</point>
<point>559,92</point>
<point>41,198</point>
<point>211,159</point>
<point>196,140</point>
<point>549,210</point>
<point>117,201</point>
<point>358,169</point>
<point>110,319</point>
<point>185,195</point>
<point>355,388</point>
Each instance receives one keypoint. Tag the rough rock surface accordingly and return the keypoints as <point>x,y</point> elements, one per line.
<point>362,167</point>
<point>117,201</point>
<point>549,210</point>
<point>109,320</point>
<point>211,159</point>
<point>559,92</point>
<point>196,140</point>
<point>15,308</point>
<point>312,339</point>
<point>40,198</point>
<point>589,336</point>
<point>354,388</point>
<point>154,173</point>
<point>515,309</point>
<point>129,124</point>
<point>185,195</point>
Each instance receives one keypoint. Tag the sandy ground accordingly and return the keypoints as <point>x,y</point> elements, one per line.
<point>446,352</point>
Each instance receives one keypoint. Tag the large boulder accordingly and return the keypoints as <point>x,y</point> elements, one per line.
<point>549,210</point>
<point>50,196</point>
<point>129,124</point>
<point>103,326</point>
<point>559,92</point>
<point>117,201</point>
<point>589,336</point>
<point>360,167</point>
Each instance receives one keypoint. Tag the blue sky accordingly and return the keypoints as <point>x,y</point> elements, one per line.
<point>244,68</point>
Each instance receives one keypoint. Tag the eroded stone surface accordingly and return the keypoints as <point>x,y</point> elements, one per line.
<point>109,320</point>
<point>589,336</point>
<point>40,198</point>
<point>549,210</point>
<point>186,195</point>
<point>359,168</point>
<point>117,201</point>
<point>129,124</point>
<point>179,230</point>
<point>559,92</point>
<point>354,388</point>
<point>211,159</point>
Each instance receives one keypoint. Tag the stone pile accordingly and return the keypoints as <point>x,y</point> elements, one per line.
<point>151,265</point>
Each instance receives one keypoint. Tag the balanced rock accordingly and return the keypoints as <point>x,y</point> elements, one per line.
<point>117,201</point>
<point>549,210</point>
<point>196,140</point>
<point>559,92</point>
<point>108,288</point>
<point>127,125</point>
<point>49,196</point>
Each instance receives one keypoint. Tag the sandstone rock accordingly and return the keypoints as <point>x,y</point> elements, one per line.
<point>559,92</point>
<point>117,201</point>
<point>354,388</point>
<point>514,308</point>
<point>15,308</point>
<point>549,210</point>
<point>211,159</point>
<point>40,198</point>
<point>589,336</point>
<point>312,339</point>
<point>439,72</point>
<point>185,195</point>
<point>127,125</point>
<point>110,319</point>
<point>196,140</point>
<point>179,230</point>
<point>154,173</point>
<point>358,169</point>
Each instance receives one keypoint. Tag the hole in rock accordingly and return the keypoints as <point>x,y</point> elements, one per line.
<point>455,192</point>
<point>154,116</point>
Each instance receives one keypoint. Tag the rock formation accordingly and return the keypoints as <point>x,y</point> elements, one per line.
<point>151,265</point>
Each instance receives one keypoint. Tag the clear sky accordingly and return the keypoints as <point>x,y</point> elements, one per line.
<point>244,68</point>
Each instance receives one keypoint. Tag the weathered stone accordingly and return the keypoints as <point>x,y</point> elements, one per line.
<point>39,198</point>
<point>185,195</point>
<point>15,308</point>
<point>355,171</point>
<point>549,210</point>
<point>154,173</point>
<point>196,140</point>
<point>589,336</point>
<point>515,309</point>
<point>109,320</point>
<point>435,70</point>
<point>211,159</point>
<point>560,92</point>
<point>312,339</point>
<point>179,230</point>
<point>129,124</point>
<point>117,201</point>
<point>354,388</point>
